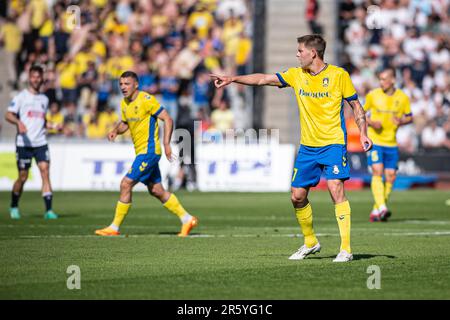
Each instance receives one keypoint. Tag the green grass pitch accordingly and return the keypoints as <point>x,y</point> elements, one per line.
<point>239,251</point>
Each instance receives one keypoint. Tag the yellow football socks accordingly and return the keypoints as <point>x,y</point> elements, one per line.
<point>342,211</point>
<point>121,212</point>
<point>378,191</point>
<point>387,191</point>
<point>174,206</point>
<point>304,218</point>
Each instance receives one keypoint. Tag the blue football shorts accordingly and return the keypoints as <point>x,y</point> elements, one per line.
<point>312,161</point>
<point>388,156</point>
<point>145,169</point>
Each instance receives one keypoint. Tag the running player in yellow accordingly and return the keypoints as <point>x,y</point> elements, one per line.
<point>140,114</point>
<point>387,109</point>
<point>320,89</point>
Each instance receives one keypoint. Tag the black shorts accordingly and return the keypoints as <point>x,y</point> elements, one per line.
<point>24,156</point>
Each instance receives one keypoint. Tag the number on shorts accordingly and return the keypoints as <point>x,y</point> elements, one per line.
<point>295,174</point>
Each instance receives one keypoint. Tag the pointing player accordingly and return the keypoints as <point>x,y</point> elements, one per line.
<point>320,89</point>
<point>140,114</point>
<point>27,111</point>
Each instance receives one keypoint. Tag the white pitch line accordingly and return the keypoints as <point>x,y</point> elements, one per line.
<point>436,233</point>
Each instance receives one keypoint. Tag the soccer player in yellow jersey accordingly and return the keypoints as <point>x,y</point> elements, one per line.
<point>140,114</point>
<point>387,109</point>
<point>320,89</point>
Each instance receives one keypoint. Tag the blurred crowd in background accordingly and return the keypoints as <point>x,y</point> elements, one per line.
<point>414,37</point>
<point>173,46</point>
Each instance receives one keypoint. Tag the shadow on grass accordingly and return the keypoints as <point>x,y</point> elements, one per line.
<point>357,256</point>
<point>176,233</point>
<point>408,219</point>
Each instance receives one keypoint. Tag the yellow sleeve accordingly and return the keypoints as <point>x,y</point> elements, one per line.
<point>368,103</point>
<point>287,78</point>
<point>348,90</point>
<point>122,112</point>
<point>407,107</point>
<point>153,105</point>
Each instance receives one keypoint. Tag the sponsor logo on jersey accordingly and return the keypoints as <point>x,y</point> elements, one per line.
<point>35,114</point>
<point>304,93</point>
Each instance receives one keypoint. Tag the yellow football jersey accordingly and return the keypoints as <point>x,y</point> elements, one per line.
<point>320,100</point>
<point>383,108</point>
<point>141,117</point>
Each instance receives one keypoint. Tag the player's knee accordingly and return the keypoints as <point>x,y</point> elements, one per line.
<point>125,185</point>
<point>390,178</point>
<point>22,180</point>
<point>44,172</point>
<point>23,177</point>
<point>157,192</point>
<point>298,198</point>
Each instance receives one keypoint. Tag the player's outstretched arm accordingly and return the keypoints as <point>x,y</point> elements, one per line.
<point>254,79</point>
<point>168,128</point>
<point>120,128</point>
<point>360,119</point>
<point>13,119</point>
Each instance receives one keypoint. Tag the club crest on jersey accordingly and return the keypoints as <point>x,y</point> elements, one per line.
<point>325,82</point>
<point>335,169</point>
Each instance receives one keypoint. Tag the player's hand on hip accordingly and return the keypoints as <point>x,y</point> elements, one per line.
<point>21,127</point>
<point>112,135</point>
<point>221,81</point>
<point>366,143</point>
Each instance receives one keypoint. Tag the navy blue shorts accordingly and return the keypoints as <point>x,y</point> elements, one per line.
<point>145,169</point>
<point>312,161</point>
<point>24,156</point>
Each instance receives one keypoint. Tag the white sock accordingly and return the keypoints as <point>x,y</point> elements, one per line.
<point>114,227</point>
<point>186,218</point>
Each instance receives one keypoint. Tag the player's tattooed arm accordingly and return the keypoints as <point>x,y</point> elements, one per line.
<point>360,115</point>
<point>361,122</point>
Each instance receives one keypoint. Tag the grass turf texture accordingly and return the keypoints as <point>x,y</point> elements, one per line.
<point>239,251</point>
